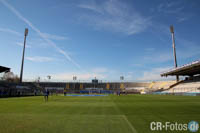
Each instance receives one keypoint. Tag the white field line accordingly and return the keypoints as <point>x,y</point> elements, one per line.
<point>130,125</point>
<point>125,118</point>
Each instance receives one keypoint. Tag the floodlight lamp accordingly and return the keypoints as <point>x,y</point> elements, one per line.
<point>26,32</point>
<point>171,29</point>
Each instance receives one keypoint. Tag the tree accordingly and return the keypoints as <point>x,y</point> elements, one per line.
<point>10,77</point>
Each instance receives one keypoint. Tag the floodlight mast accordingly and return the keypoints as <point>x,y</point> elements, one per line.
<point>174,49</point>
<point>22,65</point>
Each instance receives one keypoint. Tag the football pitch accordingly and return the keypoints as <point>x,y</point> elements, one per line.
<point>104,114</point>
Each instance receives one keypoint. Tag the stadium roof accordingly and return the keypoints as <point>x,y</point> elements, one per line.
<point>185,70</point>
<point>4,69</point>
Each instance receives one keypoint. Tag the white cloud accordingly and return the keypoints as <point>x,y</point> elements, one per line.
<point>100,73</point>
<point>39,59</point>
<point>129,76</point>
<point>149,49</point>
<point>7,30</point>
<point>175,8</point>
<point>100,70</point>
<point>22,45</point>
<point>158,57</point>
<point>187,48</point>
<point>176,11</point>
<point>115,16</point>
<point>51,43</point>
<point>181,19</point>
<point>54,37</point>
<point>137,65</point>
<point>80,76</point>
<point>92,7</point>
<point>184,50</point>
<point>172,7</point>
<point>154,74</point>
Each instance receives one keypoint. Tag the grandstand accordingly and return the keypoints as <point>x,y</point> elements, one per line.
<point>160,85</point>
<point>191,83</point>
<point>11,89</point>
<point>36,88</point>
<point>191,69</point>
<point>4,69</point>
<point>102,87</point>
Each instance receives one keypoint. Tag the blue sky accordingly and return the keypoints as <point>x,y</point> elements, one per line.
<point>98,38</point>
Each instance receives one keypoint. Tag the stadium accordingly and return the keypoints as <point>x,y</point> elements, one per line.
<point>188,86</point>
<point>105,107</point>
<point>53,84</point>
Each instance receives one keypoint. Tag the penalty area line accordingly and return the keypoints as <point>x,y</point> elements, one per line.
<point>130,125</point>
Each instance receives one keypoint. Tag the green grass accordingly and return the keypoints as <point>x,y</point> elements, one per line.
<point>109,114</point>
